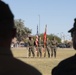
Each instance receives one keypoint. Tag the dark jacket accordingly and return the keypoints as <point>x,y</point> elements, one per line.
<point>66,67</point>
<point>12,66</point>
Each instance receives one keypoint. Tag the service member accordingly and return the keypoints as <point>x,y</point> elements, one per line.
<point>31,46</point>
<point>68,66</point>
<point>53,45</point>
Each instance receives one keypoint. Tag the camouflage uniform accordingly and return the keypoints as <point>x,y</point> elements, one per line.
<point>39,47</point>
<point>53,45</point>
<point>47,48</point>
<point>31,47</point>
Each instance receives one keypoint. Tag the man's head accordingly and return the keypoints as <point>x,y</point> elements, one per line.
<point>7,29</point>
<point>74,27</point>
<point>73,34</point>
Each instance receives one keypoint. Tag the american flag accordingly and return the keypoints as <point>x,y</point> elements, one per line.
<point>37,37</point>
<point>36,41</point>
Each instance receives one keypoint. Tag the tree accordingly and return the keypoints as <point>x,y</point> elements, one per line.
<point>57,38</point>
<point>51,36</point>
<point>22,31</point>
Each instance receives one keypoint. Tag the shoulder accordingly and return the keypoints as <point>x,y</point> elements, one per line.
<point>65,66</point>
<point>28,69</point>
<point>17,67</point>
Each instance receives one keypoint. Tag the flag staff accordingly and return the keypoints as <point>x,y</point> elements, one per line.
<point>39,24</point>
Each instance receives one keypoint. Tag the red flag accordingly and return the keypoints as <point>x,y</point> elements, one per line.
<point>45,36</point>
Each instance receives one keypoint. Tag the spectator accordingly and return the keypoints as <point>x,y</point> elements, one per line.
<point>9,65</point>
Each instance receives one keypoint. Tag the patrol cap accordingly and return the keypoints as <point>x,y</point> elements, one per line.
<point>74,27</point>
<point>6,16</point>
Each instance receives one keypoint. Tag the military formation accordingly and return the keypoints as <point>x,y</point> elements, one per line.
<point>38,49</point>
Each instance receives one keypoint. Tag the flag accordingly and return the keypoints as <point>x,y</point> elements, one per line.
<point>37,37</point>
<point>45,36</point>
<point>36,41</point>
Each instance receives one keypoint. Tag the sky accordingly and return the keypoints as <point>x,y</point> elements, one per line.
<point>58,15</point>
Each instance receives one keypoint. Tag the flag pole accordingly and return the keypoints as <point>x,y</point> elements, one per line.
<point>45,40</point>
<point>39,24</point>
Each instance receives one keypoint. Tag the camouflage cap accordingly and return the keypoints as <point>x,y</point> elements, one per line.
<point>6,16</point>
<point>74,26</point>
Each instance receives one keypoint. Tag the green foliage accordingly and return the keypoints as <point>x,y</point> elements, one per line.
<point>22,31</point>
<point>57,38</point>
<point>51,36</point>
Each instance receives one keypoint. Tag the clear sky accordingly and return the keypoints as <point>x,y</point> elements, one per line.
<point>57,14</point>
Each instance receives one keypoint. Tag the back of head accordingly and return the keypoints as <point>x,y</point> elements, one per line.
<point>74,27</point>
<point>6,20</point>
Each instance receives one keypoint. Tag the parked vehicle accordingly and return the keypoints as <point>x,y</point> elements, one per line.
<point>21,45</point>
<point>26,45</point>
<point>61,45</point>
<point>68,46</point>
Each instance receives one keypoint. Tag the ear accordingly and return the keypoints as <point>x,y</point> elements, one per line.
<point>14,32</point>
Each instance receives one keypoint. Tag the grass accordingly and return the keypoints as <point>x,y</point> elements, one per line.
<point>44,65</point>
